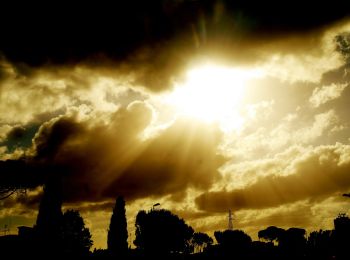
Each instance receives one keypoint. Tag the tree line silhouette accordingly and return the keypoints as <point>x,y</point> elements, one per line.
<point>160,233</point>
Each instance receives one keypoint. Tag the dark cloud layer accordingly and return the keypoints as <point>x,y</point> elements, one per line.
<point>16,174</point>
<point>183,155</point>
<point>156,37</point>
<point>319,174</point>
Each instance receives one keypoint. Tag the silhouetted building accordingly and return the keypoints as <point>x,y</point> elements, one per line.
<point>20,245</point>
<point>25,232</point>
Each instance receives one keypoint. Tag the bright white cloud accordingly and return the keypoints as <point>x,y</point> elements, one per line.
<point>305,58</point>
<point>324,94</point>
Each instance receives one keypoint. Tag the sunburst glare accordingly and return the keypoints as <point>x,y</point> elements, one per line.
<point>213,94</point>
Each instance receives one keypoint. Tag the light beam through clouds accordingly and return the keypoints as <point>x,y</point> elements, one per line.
<point>250,114</point>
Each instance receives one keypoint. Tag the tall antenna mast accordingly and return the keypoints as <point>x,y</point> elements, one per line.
<point>230,219</point>
<point>6,229</point>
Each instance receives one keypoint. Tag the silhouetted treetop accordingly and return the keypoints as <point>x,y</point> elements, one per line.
<point>161,232</point>
<point>49,218</point>
<point>321,244</point>
<point>342,236</point>
<point>233,241</point>
<point>293,242</point>
<point>76,237</point>
<point>200,241</point>
<point>271,233</point>
<point>117,240</point>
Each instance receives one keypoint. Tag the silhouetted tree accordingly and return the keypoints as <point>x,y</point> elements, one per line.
<point>49,220</point>
<point>200,241</point>
<point>117,240</point>
<point>76,238</point>
<point>233,241</point>
<point>292,242</point>
<point>320,244</point>
<point>6,192</point>
<point>342,236</point>
<point>262,250</point>
<point>271,233</point>
<point>161,232</point>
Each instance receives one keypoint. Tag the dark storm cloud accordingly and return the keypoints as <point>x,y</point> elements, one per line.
<point>51,136</point>
<point>105,206</point>
<point>183,155</point>
<point>173,161</point>
<point>113,161</point>
<point>317,174</point>
<point>20,174</point>
<point>155,38</point>
<point>100,160</point>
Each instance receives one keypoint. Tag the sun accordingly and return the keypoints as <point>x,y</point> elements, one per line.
<point>213,94</point>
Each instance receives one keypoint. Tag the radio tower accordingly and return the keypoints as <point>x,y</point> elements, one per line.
<point>230,219</point>
<point>6,229</point>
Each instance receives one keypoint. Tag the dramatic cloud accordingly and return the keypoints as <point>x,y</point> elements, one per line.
<point>317,173</point>
<point>84,94</point>
<point>326,93</point>
<point>102,160</point>
<point>40,94</point>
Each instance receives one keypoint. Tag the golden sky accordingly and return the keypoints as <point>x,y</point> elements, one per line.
<point>205,122</point>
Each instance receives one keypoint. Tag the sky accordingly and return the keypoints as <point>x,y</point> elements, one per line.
<point>201,106</point>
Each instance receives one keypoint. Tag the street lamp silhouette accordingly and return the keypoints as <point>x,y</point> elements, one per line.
<point>155,206</point>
